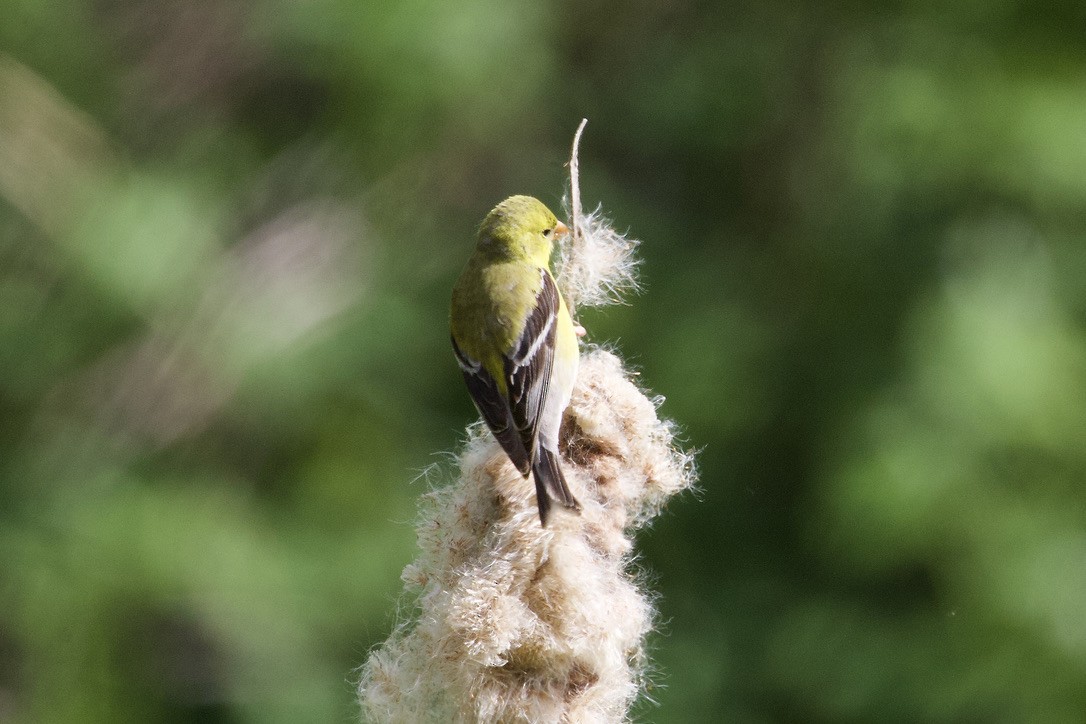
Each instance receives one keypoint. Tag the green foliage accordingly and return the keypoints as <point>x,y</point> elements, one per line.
<point>228,232</point>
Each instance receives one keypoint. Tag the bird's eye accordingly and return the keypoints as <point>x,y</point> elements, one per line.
<point>547,232</point>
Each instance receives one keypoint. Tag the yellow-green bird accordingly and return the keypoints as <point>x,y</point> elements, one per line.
<point>516,343</point>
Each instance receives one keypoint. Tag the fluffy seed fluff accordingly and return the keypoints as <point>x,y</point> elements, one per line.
<point>513,622</point>
<point>518,623</point>
<point>596,265</point>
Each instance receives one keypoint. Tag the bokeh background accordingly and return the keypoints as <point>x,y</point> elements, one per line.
<point>228,231</point>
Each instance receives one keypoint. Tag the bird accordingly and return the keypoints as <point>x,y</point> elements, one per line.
<point>516,343</point>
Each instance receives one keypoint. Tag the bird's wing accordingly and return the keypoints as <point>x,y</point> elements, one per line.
<point>494,408</point>
<point>514,419</point>
<point>528,365</point>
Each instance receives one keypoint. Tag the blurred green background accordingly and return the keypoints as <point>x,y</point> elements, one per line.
<point>228,231</point>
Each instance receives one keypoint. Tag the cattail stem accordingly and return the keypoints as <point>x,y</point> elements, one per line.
<point>515,622</point>
<point>507,621</point>
<point>576,232</point>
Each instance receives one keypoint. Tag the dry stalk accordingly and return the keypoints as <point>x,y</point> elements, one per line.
<point>512,622</point>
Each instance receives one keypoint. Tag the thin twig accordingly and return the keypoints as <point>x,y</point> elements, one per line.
<point>576,233</point>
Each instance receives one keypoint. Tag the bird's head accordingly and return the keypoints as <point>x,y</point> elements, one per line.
<point>521,227</point>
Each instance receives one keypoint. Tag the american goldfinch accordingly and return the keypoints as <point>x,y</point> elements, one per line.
<point>516,343</point>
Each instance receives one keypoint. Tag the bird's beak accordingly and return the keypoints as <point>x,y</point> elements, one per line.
<point>560,230</point>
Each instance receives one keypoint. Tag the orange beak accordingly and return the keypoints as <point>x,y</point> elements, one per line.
<point>560,230</point>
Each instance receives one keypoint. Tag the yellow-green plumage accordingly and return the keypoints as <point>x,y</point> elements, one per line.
<point>493,300</point>
<point>515,340</point>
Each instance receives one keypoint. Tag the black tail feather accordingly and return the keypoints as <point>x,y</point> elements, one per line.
<point>543,501</point>
<point>550,485</point>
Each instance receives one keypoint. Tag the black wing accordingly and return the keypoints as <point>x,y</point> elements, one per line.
<point>528,367</point>
<point>494,409</point>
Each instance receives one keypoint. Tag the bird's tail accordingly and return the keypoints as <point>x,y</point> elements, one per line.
<point>550,485</point>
